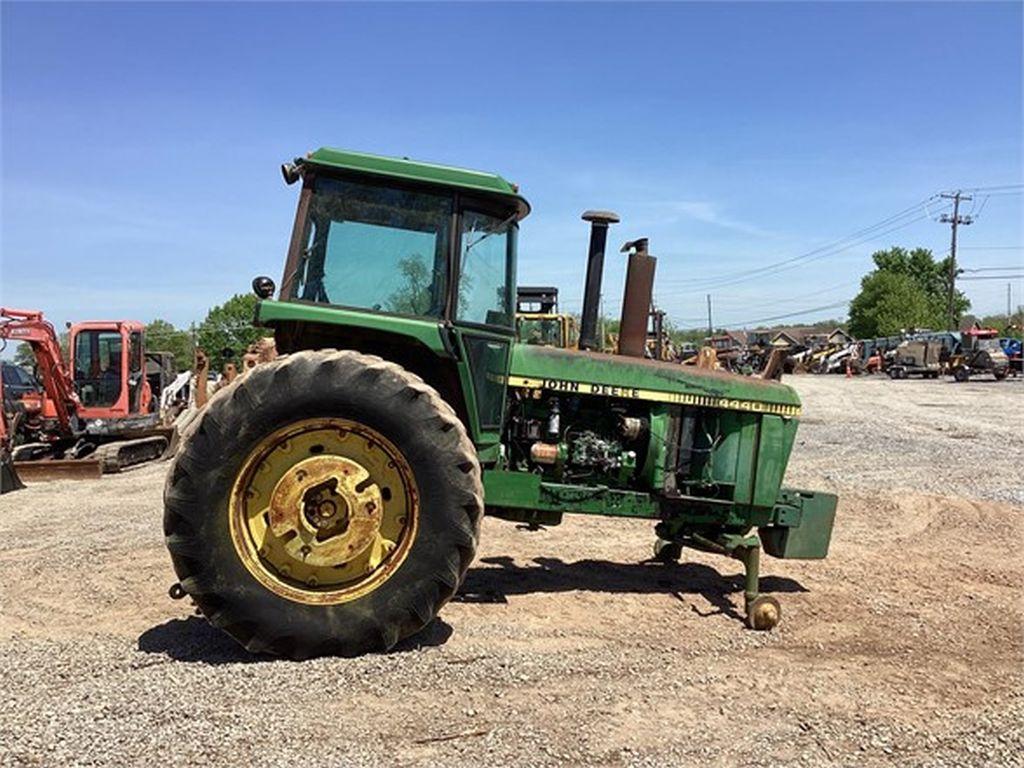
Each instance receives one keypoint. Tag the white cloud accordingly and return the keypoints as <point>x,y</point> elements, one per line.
<point>708,213</point>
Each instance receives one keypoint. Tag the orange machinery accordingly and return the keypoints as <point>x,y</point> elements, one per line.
<point>100,394</point>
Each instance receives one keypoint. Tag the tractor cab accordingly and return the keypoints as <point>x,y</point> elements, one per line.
<point>416,260</point>
<point>538,320</point>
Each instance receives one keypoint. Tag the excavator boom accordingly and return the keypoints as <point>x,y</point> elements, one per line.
<point>29,327</point>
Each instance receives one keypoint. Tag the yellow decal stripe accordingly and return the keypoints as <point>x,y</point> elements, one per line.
<point>653,395</point>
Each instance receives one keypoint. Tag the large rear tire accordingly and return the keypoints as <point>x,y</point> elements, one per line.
<point>329,503</point>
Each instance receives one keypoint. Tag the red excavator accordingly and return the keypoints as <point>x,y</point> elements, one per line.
<point>98,405</point>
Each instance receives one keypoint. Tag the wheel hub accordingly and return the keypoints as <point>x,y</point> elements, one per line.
<point>324,510</point>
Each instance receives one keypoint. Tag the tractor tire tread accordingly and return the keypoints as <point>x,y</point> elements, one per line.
<point>244,399</point>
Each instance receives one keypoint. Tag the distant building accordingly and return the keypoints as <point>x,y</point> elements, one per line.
<point>785,340</point>
<point>839,336</point>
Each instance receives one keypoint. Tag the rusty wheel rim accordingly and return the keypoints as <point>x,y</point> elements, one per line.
<point>324,511</point>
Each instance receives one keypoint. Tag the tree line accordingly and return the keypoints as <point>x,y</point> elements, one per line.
<point>224,335</point>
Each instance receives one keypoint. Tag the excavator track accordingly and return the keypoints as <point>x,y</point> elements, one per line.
<point>114,457</point>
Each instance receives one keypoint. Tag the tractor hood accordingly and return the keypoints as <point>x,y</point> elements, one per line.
<point>603,375</point>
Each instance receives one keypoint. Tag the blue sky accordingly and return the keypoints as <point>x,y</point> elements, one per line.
<point>141,143</point>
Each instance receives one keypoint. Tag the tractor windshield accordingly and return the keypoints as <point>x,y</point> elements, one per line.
<point>486,268</point>
<point>375,247</point>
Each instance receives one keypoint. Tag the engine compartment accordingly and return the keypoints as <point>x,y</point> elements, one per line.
<point>576,439</point>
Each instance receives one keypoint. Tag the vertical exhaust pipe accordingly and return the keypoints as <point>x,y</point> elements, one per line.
<point>599,221</point>
<point>636,299</point>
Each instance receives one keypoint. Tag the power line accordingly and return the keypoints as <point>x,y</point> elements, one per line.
<point>992,247</point>
<point>748,305</point>
<point>807,311</point>
<point>891,224</point>
<point>701,285</point>
<point>997,188</point>
<point>1019,276</point>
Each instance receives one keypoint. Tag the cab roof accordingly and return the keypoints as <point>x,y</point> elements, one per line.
<point>490,184</point>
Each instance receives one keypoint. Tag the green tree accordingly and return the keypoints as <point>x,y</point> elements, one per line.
<point>24,356</point>
<point>414,297</point>
<point>228,330</point>
<point>888,303</point>
<point>919,268</point>
<point>162,336</point>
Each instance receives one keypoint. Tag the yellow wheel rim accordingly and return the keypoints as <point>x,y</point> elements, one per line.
<point>324,511</point>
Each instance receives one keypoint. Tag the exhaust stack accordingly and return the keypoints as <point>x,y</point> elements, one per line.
<point>636,299</point>
<point>599,221</point>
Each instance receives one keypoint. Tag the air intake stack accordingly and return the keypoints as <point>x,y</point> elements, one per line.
<point>636,299</point>
<point>599,221</point>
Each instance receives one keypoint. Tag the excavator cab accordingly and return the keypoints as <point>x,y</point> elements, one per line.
<point>108,365</point>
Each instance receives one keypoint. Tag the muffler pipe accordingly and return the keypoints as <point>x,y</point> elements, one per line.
<point>599,221</point>
<point>636,299</point>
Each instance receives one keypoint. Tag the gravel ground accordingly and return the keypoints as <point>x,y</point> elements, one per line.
<point>903,648</point>
<point>932,436</point>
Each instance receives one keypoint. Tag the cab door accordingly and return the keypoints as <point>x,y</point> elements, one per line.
<point>482,309</point>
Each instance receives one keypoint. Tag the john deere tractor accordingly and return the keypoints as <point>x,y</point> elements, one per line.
<point>330,502</point>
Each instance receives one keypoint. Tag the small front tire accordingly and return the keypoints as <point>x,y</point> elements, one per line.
<point>667,552</point>
<point>763,613</point>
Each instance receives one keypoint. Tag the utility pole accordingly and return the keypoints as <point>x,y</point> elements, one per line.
<point>954,221</point>
<point>711,328</point>
<point>1008,303</point>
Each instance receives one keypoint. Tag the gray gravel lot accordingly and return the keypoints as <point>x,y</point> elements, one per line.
<point>933,436</point>
<point>903,648</point>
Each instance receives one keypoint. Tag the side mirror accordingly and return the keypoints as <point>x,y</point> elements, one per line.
<point>263,287</point>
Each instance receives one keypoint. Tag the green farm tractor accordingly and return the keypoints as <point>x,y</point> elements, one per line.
<point>330,501</point>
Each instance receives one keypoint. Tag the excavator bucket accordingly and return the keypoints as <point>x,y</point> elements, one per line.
<point>9,480</point>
